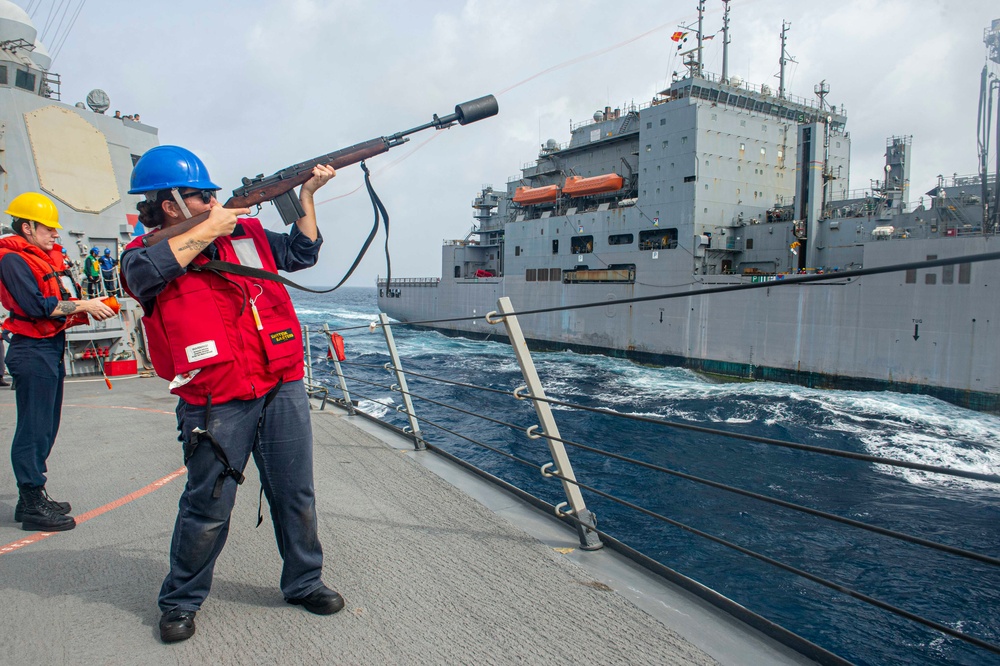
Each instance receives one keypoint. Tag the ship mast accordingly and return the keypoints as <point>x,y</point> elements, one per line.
<point>694,62</point>
<point>988,91</point>
<point>785,58</point>
<point>725,43</point>
<point>701,21</point>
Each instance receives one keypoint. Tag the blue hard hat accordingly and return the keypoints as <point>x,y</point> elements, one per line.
<point>107,250</point>
<point>166,167</point>
<point>94,250</point>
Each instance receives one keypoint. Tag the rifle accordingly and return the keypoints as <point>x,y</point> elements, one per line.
<point>278,186</point>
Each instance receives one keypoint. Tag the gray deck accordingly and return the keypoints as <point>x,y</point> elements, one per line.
<point>430,575</point>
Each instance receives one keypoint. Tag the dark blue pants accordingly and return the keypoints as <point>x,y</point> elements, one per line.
<point>39,396</point>
<point>280,439</point>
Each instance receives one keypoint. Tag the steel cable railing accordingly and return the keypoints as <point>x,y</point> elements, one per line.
<point>519,394</point>
<point>507,454</point>
<point>952,550</point>
<point>878,460</point>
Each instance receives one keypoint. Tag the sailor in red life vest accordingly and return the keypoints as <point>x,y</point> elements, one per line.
<point>40,312</point>
<point>231,348</point>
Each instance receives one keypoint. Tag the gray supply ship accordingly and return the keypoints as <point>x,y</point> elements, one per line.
<point>716,182</point>
<point>82,158</point>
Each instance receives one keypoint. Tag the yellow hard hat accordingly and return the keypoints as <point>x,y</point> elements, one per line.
<point>36,207</point>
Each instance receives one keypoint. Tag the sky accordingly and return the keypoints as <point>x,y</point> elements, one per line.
<point>254,86</point>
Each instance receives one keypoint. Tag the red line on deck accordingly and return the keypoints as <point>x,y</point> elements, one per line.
<point>84,517</point>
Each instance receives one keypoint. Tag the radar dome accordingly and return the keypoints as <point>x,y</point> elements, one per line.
<point>598,116</point>
<point>736,81</point>
<point>40,56</point>
<point>15,23</point>
<point>552,144</point>
<point>98,100</point>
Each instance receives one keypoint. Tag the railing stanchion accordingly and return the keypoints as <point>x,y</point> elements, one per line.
<point>418,441</point>
<point>340,374</point>
<point>589,539</point>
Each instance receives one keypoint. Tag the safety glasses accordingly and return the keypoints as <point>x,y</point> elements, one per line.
<point>206,195</point>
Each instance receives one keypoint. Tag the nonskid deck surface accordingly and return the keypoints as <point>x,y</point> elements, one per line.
<point>430,575</point>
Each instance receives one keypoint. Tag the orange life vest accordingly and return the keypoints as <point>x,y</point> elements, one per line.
<point>47,277</point>
<point>203,334</point>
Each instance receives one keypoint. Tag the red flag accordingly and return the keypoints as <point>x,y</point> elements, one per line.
<point>678,36</point>
<point>705,39</point>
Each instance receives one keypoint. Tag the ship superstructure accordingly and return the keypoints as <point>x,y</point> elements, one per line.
<point>716,182</point>
<point>80,157</point>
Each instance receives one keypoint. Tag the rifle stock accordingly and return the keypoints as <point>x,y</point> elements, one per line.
<point>277,187</point>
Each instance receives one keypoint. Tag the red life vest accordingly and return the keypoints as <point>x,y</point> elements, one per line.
<point>45,274</point>
<point>205,322</point>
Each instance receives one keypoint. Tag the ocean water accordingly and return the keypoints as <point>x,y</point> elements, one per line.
<point>951,590</point>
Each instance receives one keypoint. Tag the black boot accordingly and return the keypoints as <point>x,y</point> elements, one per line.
<point>62,508</point>
<point>39,515</point>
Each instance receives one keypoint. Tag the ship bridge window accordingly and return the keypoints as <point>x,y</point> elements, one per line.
<point>543,274</point>
<point>530,274</point>
<point>25,80</point>
<point>3,75</point>
<point>620,239</point>
<point>658,239</point>
<point>581,244</point>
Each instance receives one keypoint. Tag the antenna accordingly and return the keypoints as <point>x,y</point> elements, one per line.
<point>785,58</point>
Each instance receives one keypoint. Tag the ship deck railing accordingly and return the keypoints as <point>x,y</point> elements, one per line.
<point>523,444</point>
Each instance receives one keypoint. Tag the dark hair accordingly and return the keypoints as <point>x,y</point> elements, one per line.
<point>17,225</point>
<point>151,212</point>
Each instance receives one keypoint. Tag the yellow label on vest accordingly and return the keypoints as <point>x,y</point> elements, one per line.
<point>201,350</point>
<point>282,336</point>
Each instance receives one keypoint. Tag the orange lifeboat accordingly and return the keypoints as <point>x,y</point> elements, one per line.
<point>534,195</point>
<point>577,186</point>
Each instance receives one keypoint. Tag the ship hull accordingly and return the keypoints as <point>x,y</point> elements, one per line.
<point>879,332</point>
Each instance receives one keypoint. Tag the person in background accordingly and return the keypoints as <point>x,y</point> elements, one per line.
<point>40,312</point>
<point>92,270</point>
<point>3,362</point>
<point>109,266</point>
<point>231,348</point>
<point>61,264</point>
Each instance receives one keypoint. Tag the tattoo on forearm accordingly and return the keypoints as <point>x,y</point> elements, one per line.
<point>194,244</point>
<point>65,307</point>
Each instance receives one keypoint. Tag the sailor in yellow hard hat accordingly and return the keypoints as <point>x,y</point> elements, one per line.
<point>40,312</point>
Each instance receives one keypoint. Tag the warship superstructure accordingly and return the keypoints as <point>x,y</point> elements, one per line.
<point>82,158</point>
<point>718,182</point>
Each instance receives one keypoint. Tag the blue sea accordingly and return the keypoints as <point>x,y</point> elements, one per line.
<point>951,590</point>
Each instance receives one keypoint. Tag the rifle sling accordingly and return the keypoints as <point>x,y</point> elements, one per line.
<point>248,271</point>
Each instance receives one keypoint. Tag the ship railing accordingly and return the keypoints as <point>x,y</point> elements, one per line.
<point>585,489</point>
<point>410,282</point>
<point>588,479</point>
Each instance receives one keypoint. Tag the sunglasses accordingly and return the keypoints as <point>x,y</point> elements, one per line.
<point>206,195</point>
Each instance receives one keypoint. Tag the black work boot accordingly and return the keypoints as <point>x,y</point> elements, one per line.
<point>176,625</point>
<point>62,508</point>
<point>37,512</point>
